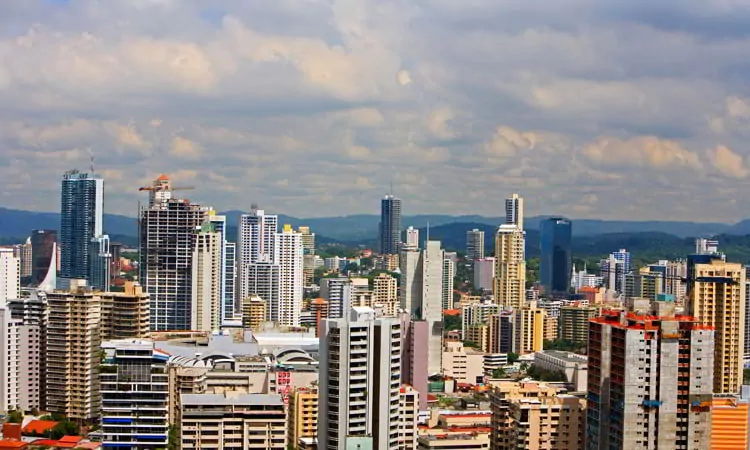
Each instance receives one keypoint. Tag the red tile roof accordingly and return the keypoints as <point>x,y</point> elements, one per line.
<point>39,426</point>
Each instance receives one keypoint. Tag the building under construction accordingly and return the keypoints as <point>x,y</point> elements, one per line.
<point>167,238</point>
<point>650,380</point>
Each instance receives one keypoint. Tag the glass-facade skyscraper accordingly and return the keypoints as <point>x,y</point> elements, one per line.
<point>390,225</point>
<point>80,221</point>
<point>556,254</point>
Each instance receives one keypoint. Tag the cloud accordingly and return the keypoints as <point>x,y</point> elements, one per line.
<point>728,162</point>
<point>314,108</point>
<point>642,151</point>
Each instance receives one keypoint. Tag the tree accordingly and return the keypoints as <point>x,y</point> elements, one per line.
<point>470,344</point>
<point>173,437</point>
<point>15,416</point>
<point>499,373</point>
<point>564,345</point>
<point>452,323</point>
<point>540,374</point>
<point>64,428</point>
<point>512,357</point>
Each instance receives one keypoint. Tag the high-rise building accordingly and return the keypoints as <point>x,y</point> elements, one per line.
<point>308,258</point>
<point>303,417</point>
<point>514,211</point>
<point>206,304</point>
<point>529,328</point>
<point>474,244</point>
<point>288,255</point>
<point>263,278</point>
<point>449,272</point>
<point>254,311</point>
<point>433,262</point>
<point>484,273</point>
<point>43,255</point>
<point>308,240</point>
<point>72,352</point>
<point>573,322</point>
<point>135,394</point>
<point>476,314</point>
<point>337,291</point>
<point>218,224</point>
<point>704,246</point>
<point>31,309</point>
<point>410,286</point>
<point>125,315</point>
<point>408,416</point>
<point>81,212</point>
<point>615,269</point>
<point>10,275</point>
<point>716,297</point>
<point>650,380</point>
<point>510,266</point>
<point>100,263</point>
<point>255,242</point>
<point>556,262</point>
<point>414,355</point>
<point>231,303</point>
<point>385,293</point>
<point>167,240</point>
<point>20,371</point>
<point>360,375</point>
<point>730,427</point>
<point>412,237</point>
<point>390,225</point>
<point>115,250</point>
<point>23,253</point>
<point>237,421</point>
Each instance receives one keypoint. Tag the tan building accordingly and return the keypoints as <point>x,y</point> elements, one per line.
<point>408,408</point>
<point>529,329</point>
<point>465,365</point>
<point>510,266</point>
<point>241,422</point>
<point>206,279</point>
<point>386,262</point>
<point>73,352</point>
<point>303,416</point>
<point>454,440</point>
<point>550,328</point>
<point>716,297</point>
<point>573,323</point>
<point>478,334</point>
<point>320,310</point>
<point>125,314</point>
<point>385,293</point>
<point>532,415</point>
<point>254,310</point>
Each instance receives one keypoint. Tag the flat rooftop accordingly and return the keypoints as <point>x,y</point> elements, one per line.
<point>231,400</point>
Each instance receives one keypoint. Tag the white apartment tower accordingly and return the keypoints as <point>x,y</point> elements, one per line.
<point>433,261</point>
<point>207,289</point>
<point>338,293</point>
<point>412,237</point>
<point>10,275</point>
<point>288,255</point>
<point>514,211</point>
<point>360,372</point>
<point>19,363</point>
<point>474,244</point>
<point>255,242</point>
<point>449,271</point>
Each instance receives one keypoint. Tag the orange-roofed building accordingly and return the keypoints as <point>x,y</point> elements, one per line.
<point>12,431</point>
<point>452,312</point>
<point>39,427</point>
<point>12,444</point>
<point>729,423</point>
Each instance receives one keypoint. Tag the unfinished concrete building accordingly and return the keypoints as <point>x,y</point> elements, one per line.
<point>650,380</point>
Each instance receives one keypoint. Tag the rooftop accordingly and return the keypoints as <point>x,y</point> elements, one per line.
<point>238,400</point>
<point>565,356</point>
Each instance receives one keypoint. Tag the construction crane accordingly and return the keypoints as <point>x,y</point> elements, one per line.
<point>166,188</point>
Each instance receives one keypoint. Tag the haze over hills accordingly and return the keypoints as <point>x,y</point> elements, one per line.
<point>16,223</point>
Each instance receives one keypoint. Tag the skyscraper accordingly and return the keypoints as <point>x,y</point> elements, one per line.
<point>510,266</point>
<point>555,266</point>
<point>167,240</point>
<point>514,211</point>
<point>81,213</point>
<point>43,254</point>
<point>390,225</point>
<point>10,275</point>
<point>206,304</point>
<point>474,244</point>
<point>716,297</point>
<point>100,263</point>
<point>433,261</point>
<point>412,238</point>
<point>650,377</point>
<point>255,242</point>
<point>449,271</point>
<point>219,224</point>
<point>288,255</point>
<point>360,376</point>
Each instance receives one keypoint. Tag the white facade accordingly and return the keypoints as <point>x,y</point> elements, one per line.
<point>412,238</point>
<point>360,374</point>
<point>289,257</point>
<point>410,287</point>
<point>10,275</point>
<point>484,273</point>
<point>255,239</point>
<point>338,293</point>
<point>207,281</point>
<point>514,211</point>
<point>263,279</point>
<point>449,272</point>
<point>432,303</point>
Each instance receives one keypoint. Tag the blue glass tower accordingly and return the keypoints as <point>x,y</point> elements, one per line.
<point>80,221</point>
<point>556,255</point>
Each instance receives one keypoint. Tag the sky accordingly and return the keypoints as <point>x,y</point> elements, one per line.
<point>624,109</point>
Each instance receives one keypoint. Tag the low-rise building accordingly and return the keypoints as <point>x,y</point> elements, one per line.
<point>465,365</point>
<point>454,440</point>
<point>574,366</point>
<point>303,417</point>
<point>242,422</point>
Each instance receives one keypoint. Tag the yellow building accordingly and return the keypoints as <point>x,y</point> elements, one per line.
<point>550,328</point>
<point>573,323</point>
<point>253,312</point>
<point>529,329</point>
<point>533,415</point>
<point>478,334</point>
<point>510,266</point>
<point>716,297</point>
<point>385,293</point>
<point>729,423</point>
<point>303,416</point>
<point>125,314</point>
